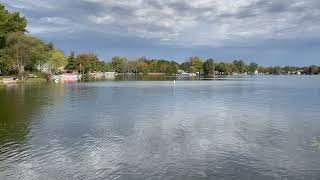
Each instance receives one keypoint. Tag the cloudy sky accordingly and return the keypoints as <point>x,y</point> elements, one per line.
<point>273,32</point>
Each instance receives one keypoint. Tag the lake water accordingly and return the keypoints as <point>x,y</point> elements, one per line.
<point>236,128</point>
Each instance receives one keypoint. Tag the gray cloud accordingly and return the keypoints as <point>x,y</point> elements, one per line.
<point>175,23</point>
<point>203,22</point>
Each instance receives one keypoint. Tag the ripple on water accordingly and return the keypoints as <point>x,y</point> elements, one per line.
<point>234,129</point>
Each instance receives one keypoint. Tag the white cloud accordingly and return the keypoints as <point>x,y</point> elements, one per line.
<point>180,22</point>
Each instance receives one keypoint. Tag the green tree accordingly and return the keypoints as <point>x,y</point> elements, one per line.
<point>223,68</point>
<point>71,66</point>
<point>20,50</point>
<point>185,66</point>
<point>172,68</point>
<point>86,63</point>
<point>208,67</point>
<point>276,70</point>
<point>253,67</point>
<point>313,69</point>
<point>107,67</point>
<point>41,55</point>
<point>10,22</point>
<point>5,64</point>
<point>287,69</point>
<point>57,61</point>
<point>142,66</point>
<point>240,65</point>
<point>196,62</point>
<point>119,64</point>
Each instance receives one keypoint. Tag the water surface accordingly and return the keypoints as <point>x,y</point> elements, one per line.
<point>236,128</point>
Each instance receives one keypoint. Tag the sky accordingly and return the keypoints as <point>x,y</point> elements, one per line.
<point>273,32</point>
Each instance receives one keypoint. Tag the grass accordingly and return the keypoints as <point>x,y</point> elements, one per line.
<point>1,83</point>
<point>33,80</point>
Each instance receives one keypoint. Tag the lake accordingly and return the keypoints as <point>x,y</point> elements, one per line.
<point>232,128</point>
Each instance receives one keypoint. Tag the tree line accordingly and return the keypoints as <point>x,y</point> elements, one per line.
<point>21,53</point>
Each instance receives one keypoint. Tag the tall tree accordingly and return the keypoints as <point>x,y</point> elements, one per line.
<point>142,66</point>
<point>71,66</point>
<point>86,63</point>
<point>253,67</point>
<point>10,22</point>
<point>223,68</point>
<point>196,63</point>
<point>172,68</point>
<point>20,49</point>
<point>57,61</point>
<point>276,70</point>
<point>119,64</point>
<point>41,55</point>
<point>208,67</point>
<point>240,65</point>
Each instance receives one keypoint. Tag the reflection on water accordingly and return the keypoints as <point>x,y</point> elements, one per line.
<point>248,128</point>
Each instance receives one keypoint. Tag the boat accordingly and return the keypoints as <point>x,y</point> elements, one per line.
<point>70,76</point>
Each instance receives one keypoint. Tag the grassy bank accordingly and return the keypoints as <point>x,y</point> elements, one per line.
<point>33,80</point>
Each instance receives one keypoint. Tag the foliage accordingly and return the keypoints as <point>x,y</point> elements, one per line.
<point>119,64</point>
<point>87,63</point>
<point>57,61</point>
<point>223,68</point>
<point>21,50</point>
<point>71,66</point>
<point>253,67</point>
<point>240,66</point>
<point>10,22</point>
<point>196,63</point>
<point>142,66</point>
<point>192,65</point>
<point>208,67</point>
<point>276,70</point>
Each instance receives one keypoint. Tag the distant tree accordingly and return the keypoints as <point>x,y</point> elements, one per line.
<point>208,67</point>
<point>10,22</point>
<point>276,70</point>
<point>86,63</point>
<point>253,67</point>
<point>313,70</point>
<point>71,66</point>
<point>154,66</point>
<point>119,64</point>
<point>196,62</point>
<point>287,69</point>
<point>172,68</point>
<point>57,61</point>
<point>223,68</point>
<point>185,66</point>
<point>107,67</point>
<point>240,65</point>
<point>142,66</point>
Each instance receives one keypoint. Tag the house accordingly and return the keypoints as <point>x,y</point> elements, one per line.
<point>44,68</point>
<point>182,73</point>
<point>110,75</point>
